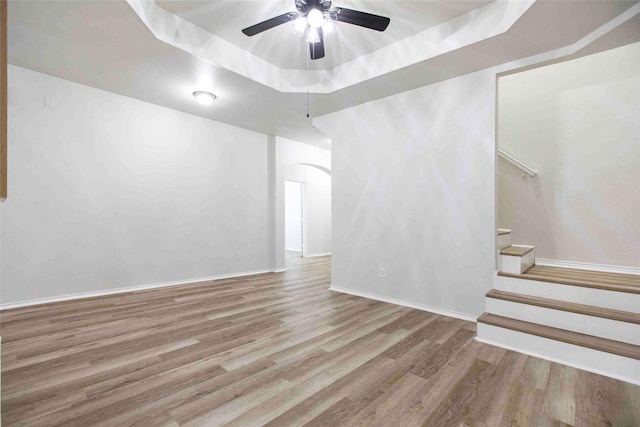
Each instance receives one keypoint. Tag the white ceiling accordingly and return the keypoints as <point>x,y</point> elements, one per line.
<point>118,47</point>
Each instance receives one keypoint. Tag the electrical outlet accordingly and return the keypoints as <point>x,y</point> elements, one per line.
<point>240,255</point>
<point>383,273</point>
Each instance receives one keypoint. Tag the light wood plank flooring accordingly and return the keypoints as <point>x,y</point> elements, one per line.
<point>280,350</point>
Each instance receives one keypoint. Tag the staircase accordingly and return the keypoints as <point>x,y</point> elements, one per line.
<point>589,320</point>
<point>514,259</point>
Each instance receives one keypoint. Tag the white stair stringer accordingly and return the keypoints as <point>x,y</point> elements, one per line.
<point>576,322</point>
<point>615,300</point>
<point>604,363</point>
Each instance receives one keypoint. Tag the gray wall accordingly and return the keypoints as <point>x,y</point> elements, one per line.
<point>110,192</point>
<point>413,192</point>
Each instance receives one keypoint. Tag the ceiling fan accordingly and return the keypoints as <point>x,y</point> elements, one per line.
<point>315,17</point>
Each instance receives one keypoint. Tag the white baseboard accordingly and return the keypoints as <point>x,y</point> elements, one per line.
<point>588,266</point>
<point>130,289</point>
<point>405,303</point>
<point>317,255</point>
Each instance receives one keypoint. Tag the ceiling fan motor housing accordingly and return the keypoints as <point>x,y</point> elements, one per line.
<point>304,6</point>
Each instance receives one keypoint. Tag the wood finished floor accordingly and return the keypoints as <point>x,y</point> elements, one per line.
<point>280,350</point>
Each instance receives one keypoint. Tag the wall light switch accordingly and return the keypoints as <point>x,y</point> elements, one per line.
<point>49,102</point>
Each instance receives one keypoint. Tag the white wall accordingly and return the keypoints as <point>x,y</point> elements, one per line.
<point>109,192</point>
<point>413,192</point>
<point>578,124</point>
<point>293,216</point>
<point>292,159</point>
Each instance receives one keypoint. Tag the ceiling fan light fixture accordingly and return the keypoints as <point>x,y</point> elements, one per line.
<point>328,27</point>
<point>299,25</point>
<point>313,36</point>
<point>315,18</point>
<point>204,98</point>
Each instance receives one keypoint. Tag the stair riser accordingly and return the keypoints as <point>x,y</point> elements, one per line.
<point>612,365</point>
<point>515,264</point>
<point>598,297</point>
<point>504,240</point>
<point>590,325</point>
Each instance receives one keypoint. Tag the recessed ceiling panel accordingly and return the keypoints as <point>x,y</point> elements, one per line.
<point>283,48</point>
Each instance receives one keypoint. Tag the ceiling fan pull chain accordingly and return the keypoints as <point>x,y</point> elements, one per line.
<point>307,56</point>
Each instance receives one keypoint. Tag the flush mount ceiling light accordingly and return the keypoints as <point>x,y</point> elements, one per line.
<point>204,98</point>
<point>316,18</point>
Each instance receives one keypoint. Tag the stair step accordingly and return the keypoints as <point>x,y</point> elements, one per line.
<point>588,341</point>
<point>589,275</point>
<point>600,362</point>
<point>608,298</point>
<point>503,231</point>
<point>589,310</point>
<point>515,259</point>
<point>590,325</point>
<point>629,288</point>
<point>516,250</point>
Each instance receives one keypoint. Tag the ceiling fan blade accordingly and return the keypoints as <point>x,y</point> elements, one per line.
<point>317,49</point>
<point>362,19</point>
<point>270,23</point>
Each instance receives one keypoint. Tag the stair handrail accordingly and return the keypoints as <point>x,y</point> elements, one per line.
<point>517,163</point>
